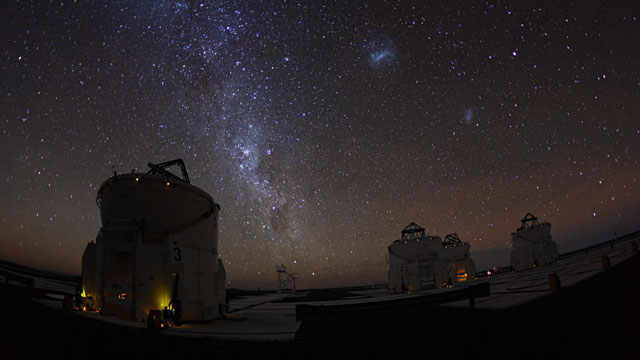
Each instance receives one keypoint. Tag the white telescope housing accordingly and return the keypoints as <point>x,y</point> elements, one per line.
<point>157,249</point>
<point>419,261</point>
<point>532,245</point>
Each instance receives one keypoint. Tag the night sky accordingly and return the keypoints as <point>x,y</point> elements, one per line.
<point>323,128</point>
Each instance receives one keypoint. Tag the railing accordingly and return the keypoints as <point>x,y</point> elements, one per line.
<point>306,311</point>
<point>601,245</point>
<point>588,249</point>
<point>9,276</point>
<point>9,273</point>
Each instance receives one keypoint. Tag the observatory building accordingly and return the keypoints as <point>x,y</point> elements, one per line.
<point>419,261</point>
<point>532,244</point>
<point>157,249</point>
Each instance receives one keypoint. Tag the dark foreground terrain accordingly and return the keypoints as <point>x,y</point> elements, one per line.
<point>598,318</point>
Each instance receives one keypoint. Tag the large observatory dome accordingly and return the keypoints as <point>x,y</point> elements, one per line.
<point>157,248</point>
<point>165,204</point>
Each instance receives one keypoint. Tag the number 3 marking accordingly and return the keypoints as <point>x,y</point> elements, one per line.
<point>178,255</point>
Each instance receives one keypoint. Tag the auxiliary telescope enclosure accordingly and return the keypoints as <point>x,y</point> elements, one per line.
<point>532,244</point>
<point>419,261</point>
<point>157,249</point>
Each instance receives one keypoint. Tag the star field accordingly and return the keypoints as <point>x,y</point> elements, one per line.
<point>323,128</point>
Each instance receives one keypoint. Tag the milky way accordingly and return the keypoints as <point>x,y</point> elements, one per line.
<point>322,129</point>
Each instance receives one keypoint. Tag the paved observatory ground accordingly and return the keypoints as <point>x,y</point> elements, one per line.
<point>595,313</point>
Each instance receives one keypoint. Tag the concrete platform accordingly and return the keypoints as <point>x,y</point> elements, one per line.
<point>253,318</point>
<point>263,318</point>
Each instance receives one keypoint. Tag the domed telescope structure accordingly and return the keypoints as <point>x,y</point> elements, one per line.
<point>532,244</point>
<point>157,249</point>
<point>419,261</point>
